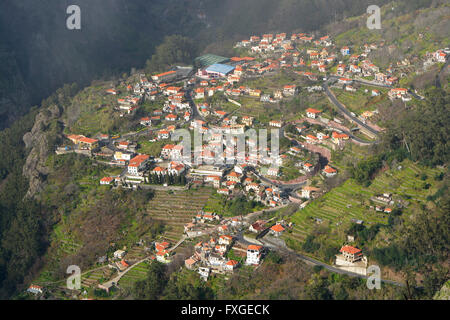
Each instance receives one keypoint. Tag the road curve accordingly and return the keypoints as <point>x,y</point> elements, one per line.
<point>344,110</point>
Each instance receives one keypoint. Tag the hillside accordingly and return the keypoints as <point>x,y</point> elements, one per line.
<point>51,190</point>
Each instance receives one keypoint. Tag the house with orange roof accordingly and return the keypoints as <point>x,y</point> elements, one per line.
<point>166,76</point>
<point>276,123</point>
<point>345,81</point>
<point>312,139</point>
<point>277,230</point>
<point>440,56</point>
<point>159,171</point>
<point>247,120</point>
<point>166,151</point>
<point>234,176</point>
<point>171,117</point>
<point>312,113</point>
<point>351,254</point>
<point>191,263</point>
<point>329,171</point>
<point>199,93</point>
<point>290,90</point>
<point>339,137</point>
<point>308,167</point>
<point>106,180</point>
<point>230,265</point>
<point>146,121</point>
<point>223,191</point>
<point>163,134</point>
<point>35,289</point>
<point>225,239</point>
<point>138,164</point>
<point>345,51</point>
<point>88,143</point>
<point>308,190</point>
<point>397,93</point>
<point>254,253</point>
<point>163,256</point>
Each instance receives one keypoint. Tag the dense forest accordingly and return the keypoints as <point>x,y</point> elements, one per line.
<point>22,235</point>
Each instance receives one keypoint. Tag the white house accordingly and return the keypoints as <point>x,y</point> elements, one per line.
<point>35,289</point>
<point>312,113</point>
<point>138,163</point>
<point>253,254</point>
<point>119,254</point>
<point>277,230</point>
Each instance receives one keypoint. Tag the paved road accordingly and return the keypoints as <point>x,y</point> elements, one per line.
<point>284,187</point>
<point>315,262</point>
<point>344,110</point>
<point>195,113</point>
<point>116,279</point>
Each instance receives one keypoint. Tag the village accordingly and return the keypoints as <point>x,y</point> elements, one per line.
<point>185,99</point>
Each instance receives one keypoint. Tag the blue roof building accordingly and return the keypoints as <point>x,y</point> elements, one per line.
<point>219,69</point>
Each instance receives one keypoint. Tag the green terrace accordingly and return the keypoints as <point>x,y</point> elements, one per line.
<point>351,200</point>
<point>176,208</point>
<point>138,272</point>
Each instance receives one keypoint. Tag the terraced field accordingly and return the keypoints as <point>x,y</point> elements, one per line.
<point>95,277</point>
<point>66,245</point>
<point>138,272</point>
<point>352,201</point>
<point>177,208</point>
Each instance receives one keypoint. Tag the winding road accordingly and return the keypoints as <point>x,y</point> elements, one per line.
<point>348,114</point>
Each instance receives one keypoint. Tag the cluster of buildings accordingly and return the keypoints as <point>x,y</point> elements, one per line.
<point>210,257</point>
<point>438,56</point>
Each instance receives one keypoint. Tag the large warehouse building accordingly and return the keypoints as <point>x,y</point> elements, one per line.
<point>218,70</point>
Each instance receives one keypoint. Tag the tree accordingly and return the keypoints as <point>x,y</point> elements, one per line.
<point>174,50</point>
<point>151,287</point>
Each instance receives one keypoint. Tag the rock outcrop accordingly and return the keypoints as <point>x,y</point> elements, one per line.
<point>38,140</point>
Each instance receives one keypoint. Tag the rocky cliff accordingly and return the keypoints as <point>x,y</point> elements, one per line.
<point>39,142</point>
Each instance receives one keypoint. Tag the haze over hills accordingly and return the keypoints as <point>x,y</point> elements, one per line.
<point>39,54</point>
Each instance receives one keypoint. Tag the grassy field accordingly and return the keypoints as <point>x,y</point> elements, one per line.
<point>359,101</point>
<point>216,204</point>
<point>151,148</point>
<point>352,201</point>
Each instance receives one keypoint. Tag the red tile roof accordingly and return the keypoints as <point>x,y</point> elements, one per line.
<point>350,249</point>
<point>312,110</point>
<point>277,228</point>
